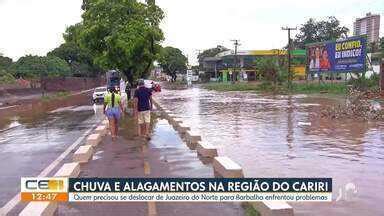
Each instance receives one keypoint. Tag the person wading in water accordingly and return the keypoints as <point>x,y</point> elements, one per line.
<point>142,109</point>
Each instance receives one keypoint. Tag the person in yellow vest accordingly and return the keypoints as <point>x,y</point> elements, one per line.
<point>113,109</point>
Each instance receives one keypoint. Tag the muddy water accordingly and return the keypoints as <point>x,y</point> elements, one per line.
<point>282,136</point>
<point>34,135</point>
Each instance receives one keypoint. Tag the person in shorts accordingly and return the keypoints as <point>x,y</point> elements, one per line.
<point>112,109</point>
<point>142,108</point>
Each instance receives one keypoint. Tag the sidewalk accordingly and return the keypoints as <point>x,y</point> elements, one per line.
<point>166,155</point>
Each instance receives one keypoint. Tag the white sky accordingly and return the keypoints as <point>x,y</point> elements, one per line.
<point>36,26</point>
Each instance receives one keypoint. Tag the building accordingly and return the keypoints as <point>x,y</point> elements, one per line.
<point>368,25</point>
<point>223,63</point>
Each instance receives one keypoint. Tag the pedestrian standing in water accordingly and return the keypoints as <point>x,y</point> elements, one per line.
<point>113,109</point>
<point>142,108</point>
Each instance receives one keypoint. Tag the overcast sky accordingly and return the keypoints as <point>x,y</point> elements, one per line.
<point>36,26</point>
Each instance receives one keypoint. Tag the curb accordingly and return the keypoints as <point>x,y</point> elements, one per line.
<point>222,166</point>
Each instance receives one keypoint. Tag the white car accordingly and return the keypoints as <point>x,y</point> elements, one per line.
<point>98,94</point>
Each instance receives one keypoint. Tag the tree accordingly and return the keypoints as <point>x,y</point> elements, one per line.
<point>373,47</point>
<point>211,52</point>
<point>5,62</point>
<point>271,70</point>
<point>36,67</point>
<point>6,78</point>
<point>382,46</point>
<point>122,34</point>
<point>78,59</point>
<point>172,61</point>
<point>318,31</point>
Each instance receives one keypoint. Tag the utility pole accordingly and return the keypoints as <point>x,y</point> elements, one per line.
<point>382,76</point>
<point>289,54</point>
<point>200,67</point>
<point>234,74</point>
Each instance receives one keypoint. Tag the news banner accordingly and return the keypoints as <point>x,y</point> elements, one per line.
<point>176,189</point>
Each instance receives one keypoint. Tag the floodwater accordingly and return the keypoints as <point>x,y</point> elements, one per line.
<point>283,136</point>
<point>34,135</point>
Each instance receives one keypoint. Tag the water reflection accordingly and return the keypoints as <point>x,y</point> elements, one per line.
<point>34,135</point>
<point>283,136</point>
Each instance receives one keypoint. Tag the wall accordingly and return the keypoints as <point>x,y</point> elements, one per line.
<point>72,83</point>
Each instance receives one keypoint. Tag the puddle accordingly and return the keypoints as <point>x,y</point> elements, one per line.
<point>282,136</point>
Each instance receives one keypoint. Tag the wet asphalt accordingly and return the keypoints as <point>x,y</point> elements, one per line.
<point>31,139</point>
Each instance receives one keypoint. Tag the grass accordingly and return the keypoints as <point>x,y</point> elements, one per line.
<point>232,87</point>
<point>249,210</point>
<point>264,87</point>
<point>57,95</point>
<point>315,88</point>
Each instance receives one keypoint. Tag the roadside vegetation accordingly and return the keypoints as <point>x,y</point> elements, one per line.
<point>6,78</point>
<point>106,38</point>
<point>57,95</point>
<point>249,210</point>
<point>265,87</point>
<point>302,87</point>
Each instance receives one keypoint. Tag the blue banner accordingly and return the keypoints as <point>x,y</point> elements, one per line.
<point>347,55</point>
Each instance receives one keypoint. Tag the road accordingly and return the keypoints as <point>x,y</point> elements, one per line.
<point>31,141</point>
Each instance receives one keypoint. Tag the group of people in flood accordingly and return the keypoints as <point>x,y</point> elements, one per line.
<point>142,106</point>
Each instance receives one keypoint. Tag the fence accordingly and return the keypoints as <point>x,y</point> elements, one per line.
<point>71,83</point>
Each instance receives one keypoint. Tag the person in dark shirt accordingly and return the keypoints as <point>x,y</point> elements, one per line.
<point>142,108</point>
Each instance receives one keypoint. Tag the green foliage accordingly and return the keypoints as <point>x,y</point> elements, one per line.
<point>57,95</point>
<point>72,33</point>
<point>313,88</point>
<point>211,52</point>
<point>373,47</point>
<point>382,47</point>
<point>6,78</point>
<point>172,60</point>
<point>232,87</point>
<point>270,69</point>
<point>249,209</point>
<point>317,31</point>
<point>122,34</point>
<point>298,88</point>
<point>363,84</point>
<point>36,66</point>
<point>5,62</point>
<point>78,59</point>
<point>69,52</point>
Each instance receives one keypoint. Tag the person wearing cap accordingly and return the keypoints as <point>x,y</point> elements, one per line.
<point>112,109</point>
<point>142,108</point>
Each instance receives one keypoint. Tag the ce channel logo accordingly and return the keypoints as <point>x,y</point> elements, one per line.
<point>44,184</point>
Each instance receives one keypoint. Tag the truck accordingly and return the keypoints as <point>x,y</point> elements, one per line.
<point>113,78</point>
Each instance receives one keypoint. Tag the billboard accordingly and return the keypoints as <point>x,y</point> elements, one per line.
<point>348,55</point>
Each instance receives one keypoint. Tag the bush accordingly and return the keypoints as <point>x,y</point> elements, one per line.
<point>36,66</point>
<point>271,69</point>
<point>364,84</point>
<point>6,78</point>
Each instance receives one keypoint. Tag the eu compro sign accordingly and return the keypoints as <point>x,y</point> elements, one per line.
<point>348,55</point>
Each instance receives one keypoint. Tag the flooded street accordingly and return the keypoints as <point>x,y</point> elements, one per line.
<point>283,136</point>
<point>34,136</point>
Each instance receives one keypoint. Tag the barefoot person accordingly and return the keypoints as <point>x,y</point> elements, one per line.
<point>142,109</point>
<point>112,109</point>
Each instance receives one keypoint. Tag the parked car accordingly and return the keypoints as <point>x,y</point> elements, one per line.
<point>98,94</point>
